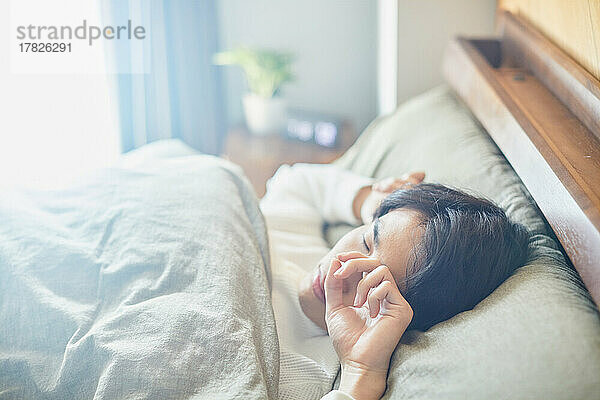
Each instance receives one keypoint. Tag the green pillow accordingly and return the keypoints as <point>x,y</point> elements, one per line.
<point>538,334</point>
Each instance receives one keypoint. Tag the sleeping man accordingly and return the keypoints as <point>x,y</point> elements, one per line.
<point>420,254</point>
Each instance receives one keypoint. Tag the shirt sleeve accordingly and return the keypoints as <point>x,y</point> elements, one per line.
<point>323,190</point>
<point>337,395</point>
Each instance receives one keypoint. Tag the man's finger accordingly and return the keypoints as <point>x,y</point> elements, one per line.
<point>384,291</point>
<point>333,288</point>
<point>416,177</point>
<point>343,257</point>
<point>367,264</point>
<point>371,280</point>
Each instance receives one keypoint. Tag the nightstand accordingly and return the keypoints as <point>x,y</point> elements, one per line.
<point>260,156</point>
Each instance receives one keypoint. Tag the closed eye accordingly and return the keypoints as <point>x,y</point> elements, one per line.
<point>365,243</point>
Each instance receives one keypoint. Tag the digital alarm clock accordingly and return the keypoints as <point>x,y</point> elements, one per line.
<point>313,127</point>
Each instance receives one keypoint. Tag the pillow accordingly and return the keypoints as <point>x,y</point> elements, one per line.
<point>538,334</point>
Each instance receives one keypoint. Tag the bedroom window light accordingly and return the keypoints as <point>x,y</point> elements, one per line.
<point>387,56</point>
<point>53,126</point>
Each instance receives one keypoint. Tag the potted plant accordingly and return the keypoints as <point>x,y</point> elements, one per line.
<point>266,71</point>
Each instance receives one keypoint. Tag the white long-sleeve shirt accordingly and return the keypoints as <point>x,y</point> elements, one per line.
<point>298,201</point>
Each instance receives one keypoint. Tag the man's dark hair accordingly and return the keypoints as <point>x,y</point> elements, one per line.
<point>467,249</point>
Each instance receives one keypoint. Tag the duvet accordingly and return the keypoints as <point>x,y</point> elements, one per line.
<point>146,282</point>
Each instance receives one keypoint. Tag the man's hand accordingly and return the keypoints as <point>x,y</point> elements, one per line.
<point>370,197</point>
<point>365,333</point>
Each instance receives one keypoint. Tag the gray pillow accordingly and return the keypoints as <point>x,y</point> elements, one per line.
<point>538,334</point>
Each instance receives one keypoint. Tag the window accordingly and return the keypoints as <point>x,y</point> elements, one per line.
<point>53,127</point>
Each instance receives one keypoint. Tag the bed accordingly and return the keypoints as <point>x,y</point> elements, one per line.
<point>151,279</point>
<point>123,286</point>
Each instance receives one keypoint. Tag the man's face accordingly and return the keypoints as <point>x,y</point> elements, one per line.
<point>389,239</point>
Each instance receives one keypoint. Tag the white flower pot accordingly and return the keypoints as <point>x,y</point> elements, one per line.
<point>264,116</point>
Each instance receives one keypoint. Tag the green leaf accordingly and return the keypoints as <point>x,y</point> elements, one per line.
<point>266,70</point>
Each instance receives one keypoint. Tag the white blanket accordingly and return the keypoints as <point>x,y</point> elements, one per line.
<point>145,282</point>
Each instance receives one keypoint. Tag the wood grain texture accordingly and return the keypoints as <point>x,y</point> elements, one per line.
<point>573,25</point>
<point>578,89</point>
<point>578,152</point>
<point>556,156</point>
<point>261,156</point>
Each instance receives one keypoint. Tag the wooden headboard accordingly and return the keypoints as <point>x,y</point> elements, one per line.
<point>542,108</point>
<point>574,26</point>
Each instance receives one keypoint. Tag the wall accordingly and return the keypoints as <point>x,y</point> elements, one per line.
<point>335,43</point>
<point>424,28</point>
<point>573,26</point>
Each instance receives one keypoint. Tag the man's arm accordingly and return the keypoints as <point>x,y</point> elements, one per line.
<point>329,193</point>
<point>323,191</point>
<point>370,197</point>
